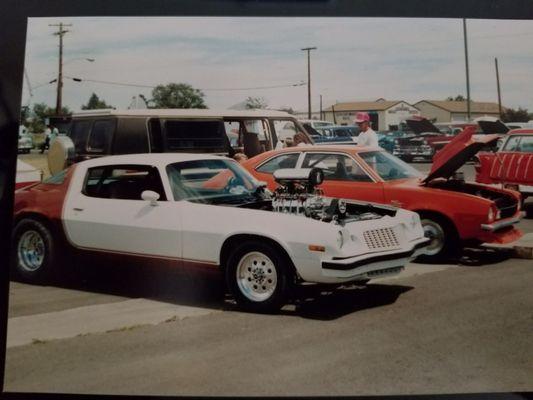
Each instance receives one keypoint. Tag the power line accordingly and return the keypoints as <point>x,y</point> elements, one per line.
<point>204,89</point>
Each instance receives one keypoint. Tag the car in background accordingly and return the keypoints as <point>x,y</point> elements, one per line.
<point>428,139</point>
<point>25,140</point>
<point>336,134</point>
<point>511,165</point>
<point>387,139</point>
<point>207,213</point>
<point>97,133</point>
<point>454,213</point>
<point>315,123</point>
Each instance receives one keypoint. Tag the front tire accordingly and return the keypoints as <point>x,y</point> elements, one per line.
<point>444,239</point>
<point>33,251</point>
<point>258,276</point>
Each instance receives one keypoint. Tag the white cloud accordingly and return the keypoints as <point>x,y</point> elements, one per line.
<point>357,58</point>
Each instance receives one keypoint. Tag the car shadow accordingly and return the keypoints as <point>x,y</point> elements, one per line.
<point>479,257</point>
<point>327,306</point>
<point>208,291</point>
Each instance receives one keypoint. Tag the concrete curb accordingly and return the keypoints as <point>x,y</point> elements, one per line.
<point>522,248</point>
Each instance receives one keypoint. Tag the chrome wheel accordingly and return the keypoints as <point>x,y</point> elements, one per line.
<point>435,233</point>
<point>256,276</point>
<point>31,251</point>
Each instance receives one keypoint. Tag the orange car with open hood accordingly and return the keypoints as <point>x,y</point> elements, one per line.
<point>454,213</point>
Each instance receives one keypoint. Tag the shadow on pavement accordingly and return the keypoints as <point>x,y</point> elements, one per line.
<point>198,290</point>
<point>340,302</point>
<point>478,257</point>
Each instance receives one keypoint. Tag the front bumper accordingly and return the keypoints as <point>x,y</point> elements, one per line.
<point>370,265</point>
<point>501,224</point>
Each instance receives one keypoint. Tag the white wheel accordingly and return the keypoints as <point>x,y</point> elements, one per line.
<point>256,276</point>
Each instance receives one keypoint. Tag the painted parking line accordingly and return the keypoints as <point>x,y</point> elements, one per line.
<point>95,319</point>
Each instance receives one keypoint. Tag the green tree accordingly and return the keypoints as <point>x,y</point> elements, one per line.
<point>459,97</point>
<point>512,115</point>
<point>254,103</point>
<point>95,103</point>
<point>40,112</point>
<point>176,95</point>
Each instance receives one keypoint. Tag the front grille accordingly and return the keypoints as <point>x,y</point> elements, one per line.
<point>383,238</point>
<point>385,271</point>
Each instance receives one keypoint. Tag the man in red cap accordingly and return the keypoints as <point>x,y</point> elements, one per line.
<point>367,137</point>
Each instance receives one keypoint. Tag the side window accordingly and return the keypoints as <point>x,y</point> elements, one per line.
<point>101,136</point>
<point>511,144</point>
<point>336,167</point>
<point>279,162</point>
<point>526,144</point>
<point>130,136</point>
<point>122,182</point>
<point>79,134</point>
<point>285,129</point>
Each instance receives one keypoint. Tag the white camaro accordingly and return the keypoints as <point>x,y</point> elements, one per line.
<point>208,212</point>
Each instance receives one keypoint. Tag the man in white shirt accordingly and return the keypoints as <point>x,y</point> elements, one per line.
<point>367,137</point>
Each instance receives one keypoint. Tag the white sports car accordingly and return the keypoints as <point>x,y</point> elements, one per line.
<point>205,211</point>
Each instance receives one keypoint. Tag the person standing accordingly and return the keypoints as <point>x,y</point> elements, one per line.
<point>367,137</point>
<point>47,138</point>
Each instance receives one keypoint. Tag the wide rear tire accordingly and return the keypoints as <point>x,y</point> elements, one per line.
<point>34,251</point>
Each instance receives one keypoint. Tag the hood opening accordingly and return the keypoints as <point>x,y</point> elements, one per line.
<point>453,156</point>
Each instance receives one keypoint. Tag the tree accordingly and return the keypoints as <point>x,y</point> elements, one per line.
<point>289,110</point>
<point>459,97</point>
<point>40,112</point>
<point>512,115</point>
<point>95,103</point>
<point>176,95</point>
<point>253,103</point>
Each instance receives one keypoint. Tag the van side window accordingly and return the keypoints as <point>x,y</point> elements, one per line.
<point>131,136</point>
<point>79,134</point>
<point>101,136</point>
<point>156,136</point>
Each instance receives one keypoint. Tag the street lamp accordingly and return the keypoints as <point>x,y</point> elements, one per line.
<point>308,49</point>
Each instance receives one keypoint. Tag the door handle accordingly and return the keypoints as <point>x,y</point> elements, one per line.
<point>77,209</point>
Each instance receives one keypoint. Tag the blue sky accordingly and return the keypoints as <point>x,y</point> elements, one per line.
<point>356,59</point>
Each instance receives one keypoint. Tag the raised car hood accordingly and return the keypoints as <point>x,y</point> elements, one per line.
<point>461,149</point>
<point>421,125</point>
<point>490,127</point>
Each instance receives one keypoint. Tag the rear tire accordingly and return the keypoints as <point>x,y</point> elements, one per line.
<point>259,276</point>
<point>33,251</point>
<point>444,243</point>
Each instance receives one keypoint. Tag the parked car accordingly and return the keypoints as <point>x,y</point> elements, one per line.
<point>453,212</point>
<point>387,139</point>
<point>206,212</point>
<point>336,134</point>
<point>26,175</point>
<point>511,165</point>
<point>96,133</point>
<point>427,141</point>
<point>25,140</point>
<point>315,123</point>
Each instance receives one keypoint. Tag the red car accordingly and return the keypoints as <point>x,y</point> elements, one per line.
<point>453,212</point>
<point>512,165</point>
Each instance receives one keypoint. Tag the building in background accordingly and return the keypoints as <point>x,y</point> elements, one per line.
<point>384,115</point>
<point>456,111</point>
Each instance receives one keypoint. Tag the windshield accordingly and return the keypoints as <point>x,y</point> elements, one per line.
<point>212,181</point>
<point>389,167</point>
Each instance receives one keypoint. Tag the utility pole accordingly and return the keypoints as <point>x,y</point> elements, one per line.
<point>321,108</point>
<point>60,33</point>
<point>498,85</point>
<point>308,49</point>
<point>467,72</point>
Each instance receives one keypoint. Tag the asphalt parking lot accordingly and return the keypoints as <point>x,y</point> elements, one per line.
<point>452,328</point>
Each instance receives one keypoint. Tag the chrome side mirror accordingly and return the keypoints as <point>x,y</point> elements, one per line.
<point>151,196</point>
